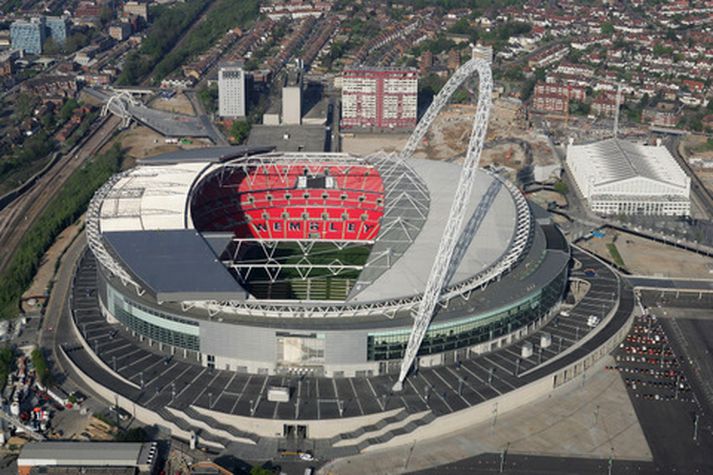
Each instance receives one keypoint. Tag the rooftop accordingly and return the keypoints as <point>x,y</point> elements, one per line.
<point>168,261</point>
<point>615,160</point>
<point>90,454</point>
<point>289,138</point>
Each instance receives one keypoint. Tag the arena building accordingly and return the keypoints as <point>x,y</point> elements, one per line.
<point>276,263</point>
<point>261,300</point>
<point>620,177</point>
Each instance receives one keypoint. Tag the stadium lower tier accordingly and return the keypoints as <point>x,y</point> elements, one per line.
<point>478,321</point>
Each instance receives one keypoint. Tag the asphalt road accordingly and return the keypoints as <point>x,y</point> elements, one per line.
<point>57,306</point>
<point>534,464</point>
<point>676,284</point>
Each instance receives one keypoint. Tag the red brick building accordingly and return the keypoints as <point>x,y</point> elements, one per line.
<point>379,98</point>
<point>573,93</point>
<point>555,103</point>
<point>604,105</point>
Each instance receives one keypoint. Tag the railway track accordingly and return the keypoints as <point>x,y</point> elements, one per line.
<point>17,217</point>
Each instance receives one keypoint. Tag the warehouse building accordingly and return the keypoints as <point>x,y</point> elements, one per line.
<point>65,457</point>
<point>620,177</point>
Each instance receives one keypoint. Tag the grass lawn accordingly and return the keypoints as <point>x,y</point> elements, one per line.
<point>616,257</point>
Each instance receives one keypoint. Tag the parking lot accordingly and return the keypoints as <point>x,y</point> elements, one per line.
<point>670,405</point>
<point>159,380</point>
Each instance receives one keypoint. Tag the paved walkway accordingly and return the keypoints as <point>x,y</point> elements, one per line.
<point>590,421</point>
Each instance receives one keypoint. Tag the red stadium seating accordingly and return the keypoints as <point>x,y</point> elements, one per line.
<point>266,203</point>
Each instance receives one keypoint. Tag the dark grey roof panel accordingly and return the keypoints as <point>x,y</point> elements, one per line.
<point>289,138</point>
<point>218,241</point>
<point>175,265</point>
<point>207,154</point>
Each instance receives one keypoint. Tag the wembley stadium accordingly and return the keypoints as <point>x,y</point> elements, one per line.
<point>265,301</point>
<point>271,263</point>
<point>328,264</point>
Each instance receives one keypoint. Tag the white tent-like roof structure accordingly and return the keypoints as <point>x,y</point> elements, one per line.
<point>617,166</point>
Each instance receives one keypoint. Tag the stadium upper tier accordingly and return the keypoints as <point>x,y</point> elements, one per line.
<point>296,201</point>
<point>358,230</point>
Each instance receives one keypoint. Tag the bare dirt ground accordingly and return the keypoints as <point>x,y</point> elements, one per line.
<point>177,104</point>
<point>45,274</point>
<point>140,142</point>
<point>544,197</point>
<point>449,135</point>
<point>645,257</point>
<point>364,144</point>
<point>701,160</point>
<point>706,176</point>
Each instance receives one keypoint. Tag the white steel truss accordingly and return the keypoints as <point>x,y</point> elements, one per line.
<point>273,265</point>
<point>94,238</point>
<point>404,191</point>
<point>439,271</point>
<point>118,104</point>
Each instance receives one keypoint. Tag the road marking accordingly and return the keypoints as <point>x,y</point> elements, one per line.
<point>356,396</point>
<point>225,388</point>
<point>245,386</point>
<point>186,386</point>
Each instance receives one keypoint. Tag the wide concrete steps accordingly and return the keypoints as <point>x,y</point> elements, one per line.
<point>188,427</point>
<point>212,422</point>
<point>375,434</point>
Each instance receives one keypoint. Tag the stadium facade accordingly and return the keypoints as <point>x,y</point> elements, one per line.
<point>260,262</point>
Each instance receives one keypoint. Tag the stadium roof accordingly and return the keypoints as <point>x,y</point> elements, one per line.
<point>495,224</point>
<point>205,155</point>
<point>175,265</point>
<point>418,199</point>
<point>150,198</point>
<point>615,160</point>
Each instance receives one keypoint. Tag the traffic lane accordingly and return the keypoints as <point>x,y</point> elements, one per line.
<point>680,284</point>
<point>694,340</point>
<point>535,464</point>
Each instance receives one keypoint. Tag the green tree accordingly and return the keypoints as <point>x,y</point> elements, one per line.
<point>607,28</point>
<point>261,471</point>
<point>579,108</point>
<point>68,109</point>
<point>40,364</point>
<point>527,89</point>
<point>63,209</point>
<point>561,187</point>
<point>662,50</point>
<point>76,41</point>
<point>208,95</point>
<point>240,130</point>
<point>24,106</point>
<point>460,96</point>
<point>51,48</point>
<point>7,364</point>
<point>106,15</point>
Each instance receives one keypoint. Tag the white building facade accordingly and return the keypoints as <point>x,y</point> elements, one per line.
<point>620,177</point>
<point>231,91</point>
